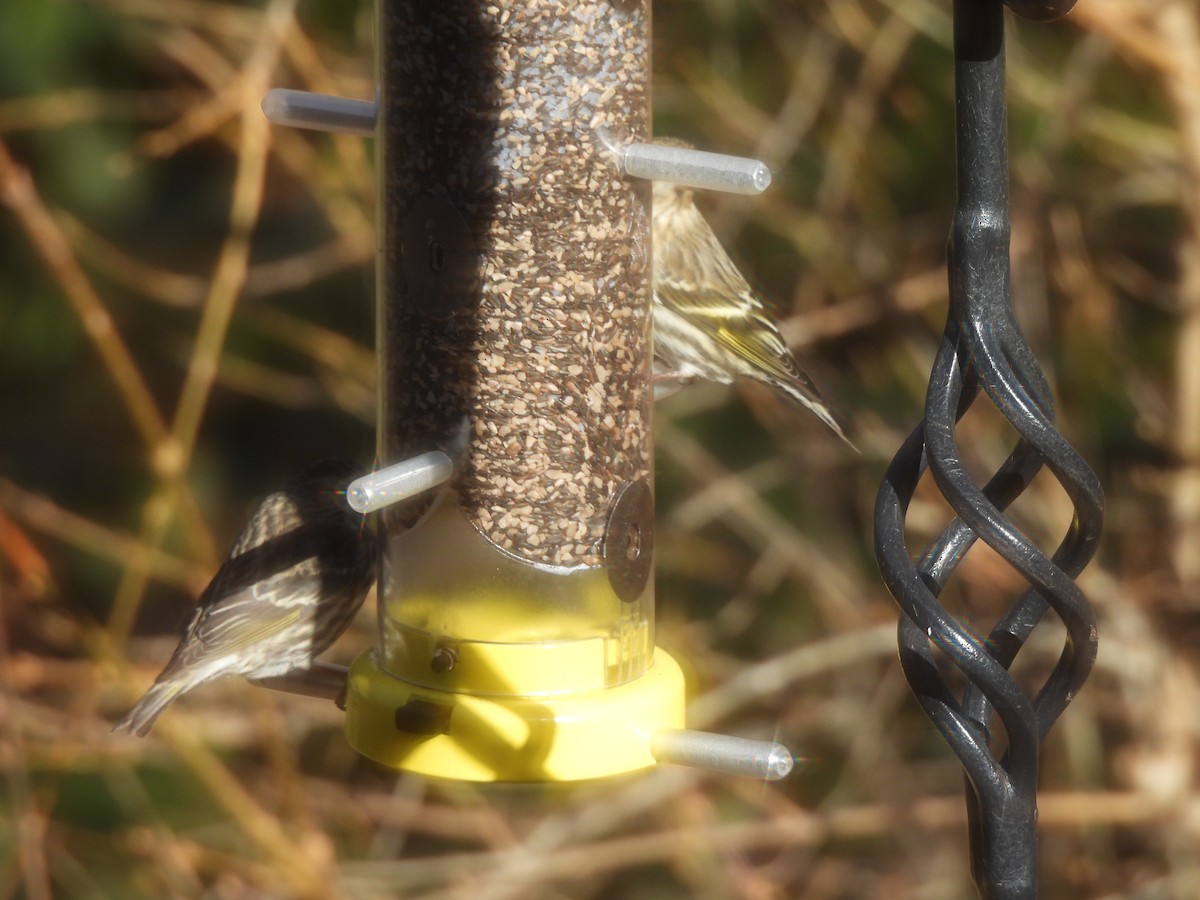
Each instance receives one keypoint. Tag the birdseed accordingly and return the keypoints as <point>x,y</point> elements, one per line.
<point>520,343</point>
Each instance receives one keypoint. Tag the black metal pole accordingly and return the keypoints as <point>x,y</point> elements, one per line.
<point>983,351</point>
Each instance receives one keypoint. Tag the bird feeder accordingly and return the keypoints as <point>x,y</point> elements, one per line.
<point>515,498</point>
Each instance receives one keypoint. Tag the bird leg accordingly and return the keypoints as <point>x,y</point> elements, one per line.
<point>667,384</point>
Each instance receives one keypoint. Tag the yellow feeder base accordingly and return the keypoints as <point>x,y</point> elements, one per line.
<point>559,737</point>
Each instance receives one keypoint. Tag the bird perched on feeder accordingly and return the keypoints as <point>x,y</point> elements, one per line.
<point>708,323</point>
<point>293,581</point>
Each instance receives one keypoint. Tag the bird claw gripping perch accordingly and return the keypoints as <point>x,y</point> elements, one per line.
<point>983,350</point>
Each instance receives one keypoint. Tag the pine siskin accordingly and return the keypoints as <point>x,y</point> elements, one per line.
<point>708,323</point>
<point>293,581</point>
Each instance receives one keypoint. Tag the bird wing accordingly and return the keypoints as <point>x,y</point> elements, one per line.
<point>292,548</point>
<point>255,613</point>
<point>247,617</point>
<point>739,324</point>
<point>274,517</point>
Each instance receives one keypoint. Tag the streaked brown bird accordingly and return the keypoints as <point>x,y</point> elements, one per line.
<point>293,581</point>
<point>708,323</point>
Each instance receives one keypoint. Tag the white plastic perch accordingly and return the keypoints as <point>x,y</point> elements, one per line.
<point>722,753</point>
<point>320,112</point>
<point>399,481</point>
<point>696,168</point>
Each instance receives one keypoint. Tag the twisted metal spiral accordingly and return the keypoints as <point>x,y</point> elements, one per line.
<point>983,351</point>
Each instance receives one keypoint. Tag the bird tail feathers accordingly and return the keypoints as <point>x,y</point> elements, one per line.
<point>141,718</point>
<point>815,405</point>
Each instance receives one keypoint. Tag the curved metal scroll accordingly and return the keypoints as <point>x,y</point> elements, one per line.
<point>983,350</point>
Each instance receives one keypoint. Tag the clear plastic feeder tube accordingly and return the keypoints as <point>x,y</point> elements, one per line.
<point>514,324</point>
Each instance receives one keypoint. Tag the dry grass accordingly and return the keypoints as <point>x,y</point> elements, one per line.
<point>152,389</point>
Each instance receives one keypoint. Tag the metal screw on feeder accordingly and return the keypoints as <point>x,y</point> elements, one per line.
<point>320,112</point>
